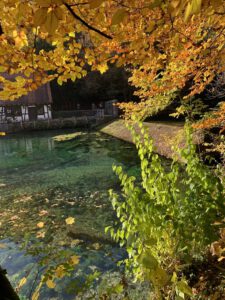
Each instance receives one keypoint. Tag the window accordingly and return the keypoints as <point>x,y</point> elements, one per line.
<point>40,110</point>
<point>13,111</point>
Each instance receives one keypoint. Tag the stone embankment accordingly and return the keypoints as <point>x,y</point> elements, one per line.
<point>164,135</point>
<point>86,122</point>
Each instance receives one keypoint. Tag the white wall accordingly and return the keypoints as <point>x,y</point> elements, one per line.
<point>25,116</point>
<point>47,113</point>
<point>24,110</point>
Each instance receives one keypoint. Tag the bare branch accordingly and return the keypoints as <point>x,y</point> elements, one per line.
<point>79,4</point>
<point>69,8</point>
<point>1,30</point>
<point>216,90</point>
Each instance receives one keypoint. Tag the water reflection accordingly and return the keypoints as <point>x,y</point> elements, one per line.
<point>45,181</point>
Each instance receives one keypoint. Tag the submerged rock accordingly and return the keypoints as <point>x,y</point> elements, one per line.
<point>91,236</point>
<point>68,137</point>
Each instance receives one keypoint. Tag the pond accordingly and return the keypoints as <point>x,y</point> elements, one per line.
<point>43,183</point>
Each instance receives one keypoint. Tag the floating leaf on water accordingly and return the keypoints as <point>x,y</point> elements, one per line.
<point>43,213</point>
<point>13,218</point>
<point>40,234</point>
<point>75,242</point>
<point>221,258</point>
<point>3,246</point>
<point>71,203</point>
<point>96,246</point>
<point>60,271</point>
<point>22,282</point>
<point>50,283</point>
<point>40,224</point>
<point>35,295</point>
<point>75,259</point>
<point>70,221</point>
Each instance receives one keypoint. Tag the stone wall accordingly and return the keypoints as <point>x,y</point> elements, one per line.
<point>86,122</point>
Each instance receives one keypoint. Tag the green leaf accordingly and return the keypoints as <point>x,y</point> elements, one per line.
<point>149,261</point>
<point>184,288</point>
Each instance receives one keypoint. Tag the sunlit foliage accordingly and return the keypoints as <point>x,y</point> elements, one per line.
<point>168,218</point>
<point>165,43</point>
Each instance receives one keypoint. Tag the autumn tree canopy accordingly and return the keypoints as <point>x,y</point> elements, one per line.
<point>167,44</point>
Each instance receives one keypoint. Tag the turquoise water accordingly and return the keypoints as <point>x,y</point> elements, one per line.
<point>42,183</point>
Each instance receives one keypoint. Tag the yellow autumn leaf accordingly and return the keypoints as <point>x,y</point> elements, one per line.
<point>221,258</point>
<point>40,224</point>
<point>35,295</point>
<point>50,284</point>
<point>57,2</point>
<point>196,6</point>
<point>40,234</point>
<point>59,13</point>
<point>119,16</point>
<point>175,3</point>
<point>188,12</point>
<point>20,38</point>
<point>151,26</point>
<point>22,282</point>
<point>44,3</point>
<point>102,68</point>
<point>40,16</point>
<point>72,34</point>
<point>43,212</point>
<point>60,271</point>
<point>51,23</point>
<point>193,7</point>
<point>95,3</point>
<point>70,221</point>
<point>74,259</point>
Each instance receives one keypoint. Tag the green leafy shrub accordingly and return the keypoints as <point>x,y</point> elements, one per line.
<point>166,220</point>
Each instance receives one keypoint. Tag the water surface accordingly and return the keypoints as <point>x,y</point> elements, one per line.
<point>42,183</point>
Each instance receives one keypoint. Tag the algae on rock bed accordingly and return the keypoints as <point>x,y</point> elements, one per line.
<point>68,137</point>
<point>43,182</point>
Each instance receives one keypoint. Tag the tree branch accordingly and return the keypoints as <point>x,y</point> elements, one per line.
<point>69,8</point>
<point>1,30</point>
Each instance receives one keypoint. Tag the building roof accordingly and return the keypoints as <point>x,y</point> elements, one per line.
<point>38,97</point>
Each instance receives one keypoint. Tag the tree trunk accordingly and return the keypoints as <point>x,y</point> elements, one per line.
<point>6,290</point>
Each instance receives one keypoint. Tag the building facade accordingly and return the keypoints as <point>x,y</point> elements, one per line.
<point>34,106</point>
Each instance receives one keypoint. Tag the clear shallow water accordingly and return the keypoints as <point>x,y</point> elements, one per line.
<point>45,181</point>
